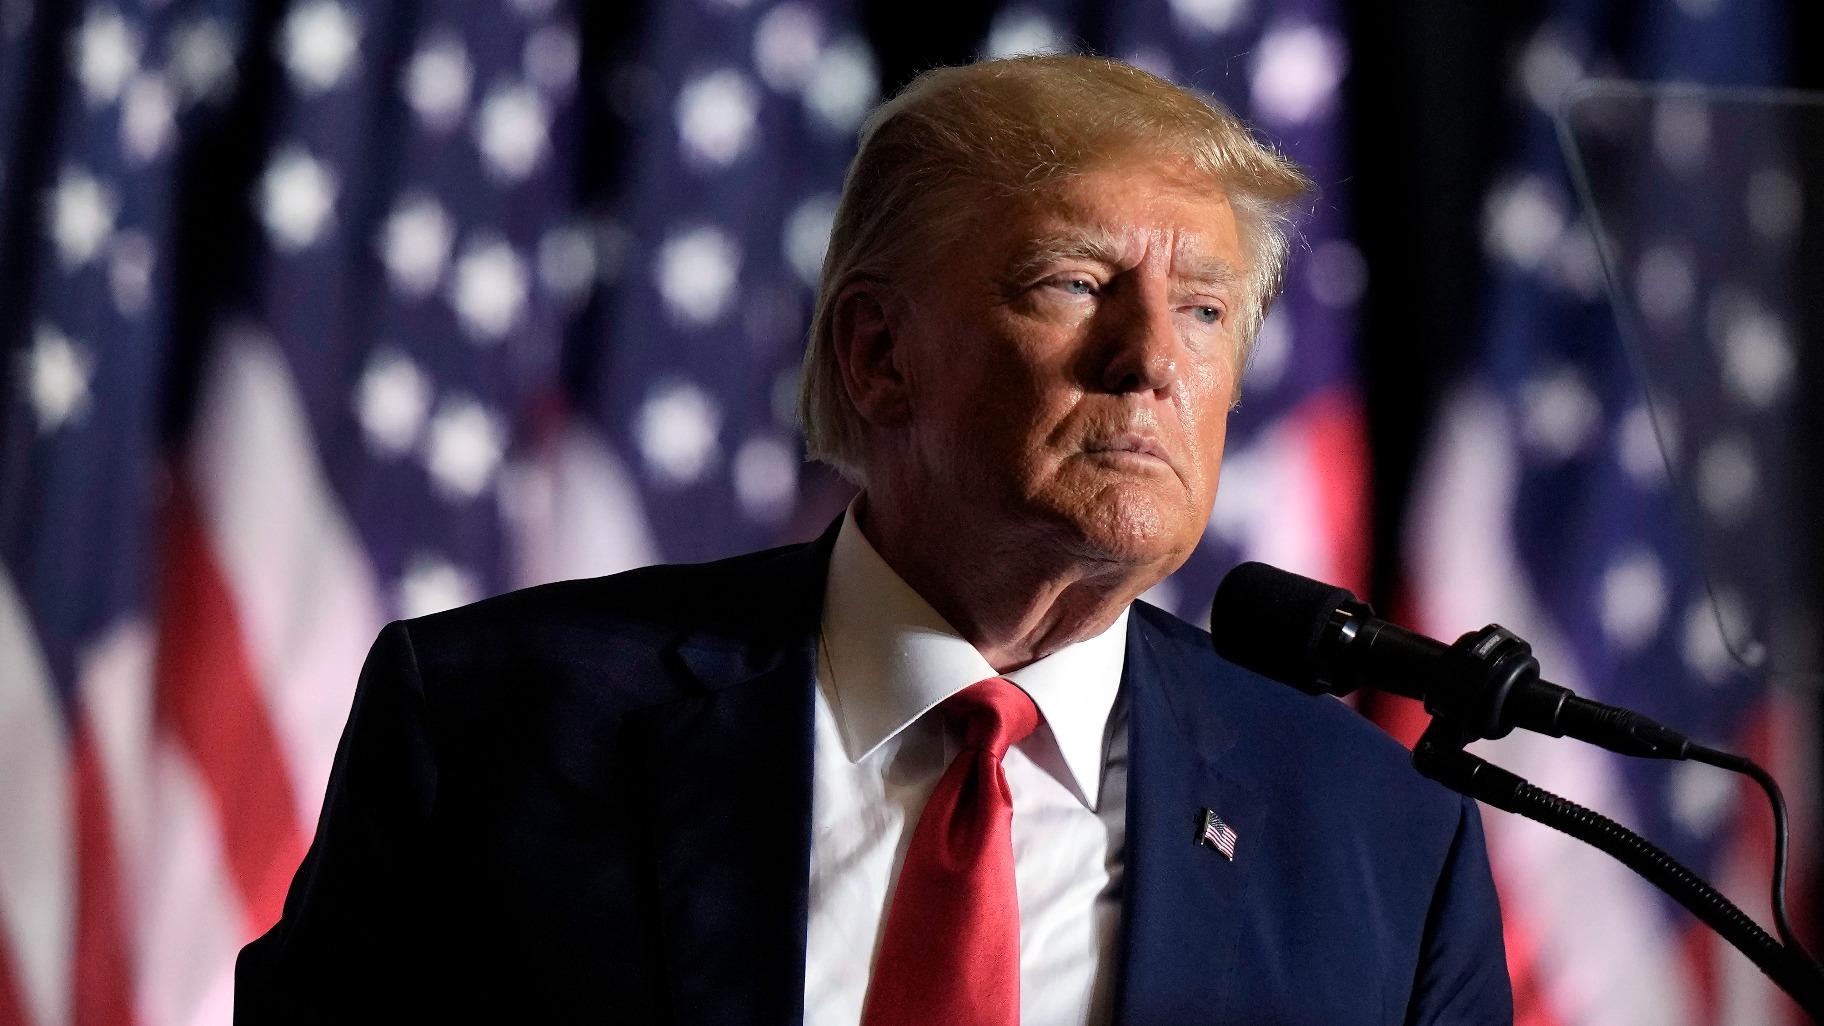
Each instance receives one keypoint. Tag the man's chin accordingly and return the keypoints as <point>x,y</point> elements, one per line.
<point>1134,533</point>
<point>1146,554</point>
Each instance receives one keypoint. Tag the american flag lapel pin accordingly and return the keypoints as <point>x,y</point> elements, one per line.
<point>1214,833</point>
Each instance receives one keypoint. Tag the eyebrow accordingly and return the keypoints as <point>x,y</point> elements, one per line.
<point>1098,245</point>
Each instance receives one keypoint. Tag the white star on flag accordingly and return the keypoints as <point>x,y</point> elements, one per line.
<point>766,478</point>
<point>58,377</point>
<point>106,53</point>
<point>786,44</point>
<point>489,289</point>
<point>463,447</point>
<point>146,117</point>
<point>415,243</point>
<point>202,60</point>
<point>697,273</point>
<point>1297,70</point>
<point>437,82</point>
<point>391,402</point>
<point>297,195</point>
<point>1211,16</point>
<point>677,430</point>
<point>511,130</point>
<point>319,42</point>
<point>716,115</point>
<point>1021,30</point>
<point>433,584</point>
<point>807,236</point>
<point>82,217</point>
<point>843,86</point>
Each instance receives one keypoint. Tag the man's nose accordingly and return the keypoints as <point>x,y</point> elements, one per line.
<point>1143,344</point>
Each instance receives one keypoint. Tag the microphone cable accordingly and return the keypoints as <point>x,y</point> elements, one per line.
<point>1321,639</point>
<point>1781,832</point>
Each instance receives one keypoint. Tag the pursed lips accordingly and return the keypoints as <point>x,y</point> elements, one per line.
<point>1131,442</point>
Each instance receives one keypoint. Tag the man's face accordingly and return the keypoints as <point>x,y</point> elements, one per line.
<point>1070,364</point>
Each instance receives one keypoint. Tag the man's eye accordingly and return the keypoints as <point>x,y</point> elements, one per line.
<point>1077,286</point>
<point>1207,314</point>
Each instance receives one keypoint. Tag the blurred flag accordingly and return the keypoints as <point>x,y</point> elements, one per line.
<point>99,808</point>
<point>1546,505</point>
<point>325,313</point>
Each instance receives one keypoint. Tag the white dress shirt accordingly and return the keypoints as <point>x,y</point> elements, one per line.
<point>886,659</point>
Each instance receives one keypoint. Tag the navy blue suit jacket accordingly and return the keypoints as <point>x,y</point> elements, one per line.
<point>590,801</point>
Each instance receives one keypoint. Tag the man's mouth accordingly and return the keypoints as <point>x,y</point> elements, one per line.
<point>1132,444</point>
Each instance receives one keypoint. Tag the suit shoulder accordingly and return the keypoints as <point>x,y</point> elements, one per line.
<point>649,592</point>
<point>608,636</point>
<point>645,602</point>
<point>1319,736</point>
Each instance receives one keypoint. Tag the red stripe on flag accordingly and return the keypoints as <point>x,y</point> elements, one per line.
<point>1698,959</point>
<point>1404,718</point>
<point>1336,435</point>
<point>1337,443</point>
<point>103,981</point>
<point>208,694</point>
<point>1532,1005</point>
<point>12,1002</point>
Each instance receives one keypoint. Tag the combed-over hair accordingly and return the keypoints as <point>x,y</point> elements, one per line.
<point>958,137</point>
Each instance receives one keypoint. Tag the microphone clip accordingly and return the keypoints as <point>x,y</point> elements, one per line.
<point>1494,686</point>
<point>1494,677</point>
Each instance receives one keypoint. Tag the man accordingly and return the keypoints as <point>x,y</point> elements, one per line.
<point>938,766</point>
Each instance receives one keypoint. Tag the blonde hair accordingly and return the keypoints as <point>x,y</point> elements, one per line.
<point>956,138</point>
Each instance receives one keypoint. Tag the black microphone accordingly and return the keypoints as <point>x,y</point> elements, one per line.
<point>1322,640</point>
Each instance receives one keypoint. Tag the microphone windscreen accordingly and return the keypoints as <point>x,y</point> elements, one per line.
<point>1270,621</point>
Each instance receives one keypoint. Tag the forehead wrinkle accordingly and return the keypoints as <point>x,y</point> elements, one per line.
<point>1213,272</point>
<point>1094,243</point>
<point>1117,248</point>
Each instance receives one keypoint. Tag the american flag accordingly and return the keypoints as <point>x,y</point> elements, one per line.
<point>325,312</point>
<point>1548,505</point>
<point>305,314</point>
<point>1218,835</point>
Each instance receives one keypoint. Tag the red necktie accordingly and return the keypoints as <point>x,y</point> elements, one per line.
<point>951,952</point>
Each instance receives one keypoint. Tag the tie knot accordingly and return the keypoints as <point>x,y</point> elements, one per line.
<point>993,714</point>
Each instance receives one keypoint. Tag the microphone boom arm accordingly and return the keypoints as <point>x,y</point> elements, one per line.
<point>1440,756</point>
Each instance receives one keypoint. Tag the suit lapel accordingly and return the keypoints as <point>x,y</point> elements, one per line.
<point>727,773</point>
<point>1184,902</point>
<point>730,793</point>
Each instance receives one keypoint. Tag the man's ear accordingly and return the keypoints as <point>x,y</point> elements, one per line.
<point>870,353</point>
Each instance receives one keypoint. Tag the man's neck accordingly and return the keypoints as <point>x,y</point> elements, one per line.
<point>1003,597</point>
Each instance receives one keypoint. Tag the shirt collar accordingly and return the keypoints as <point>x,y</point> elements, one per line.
<point>889,658</point>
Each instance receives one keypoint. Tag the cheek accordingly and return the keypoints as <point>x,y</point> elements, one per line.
<point>1016,385</point>
<point>992,383</point>
<point>1209,393</point>
<point>973,411</point>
